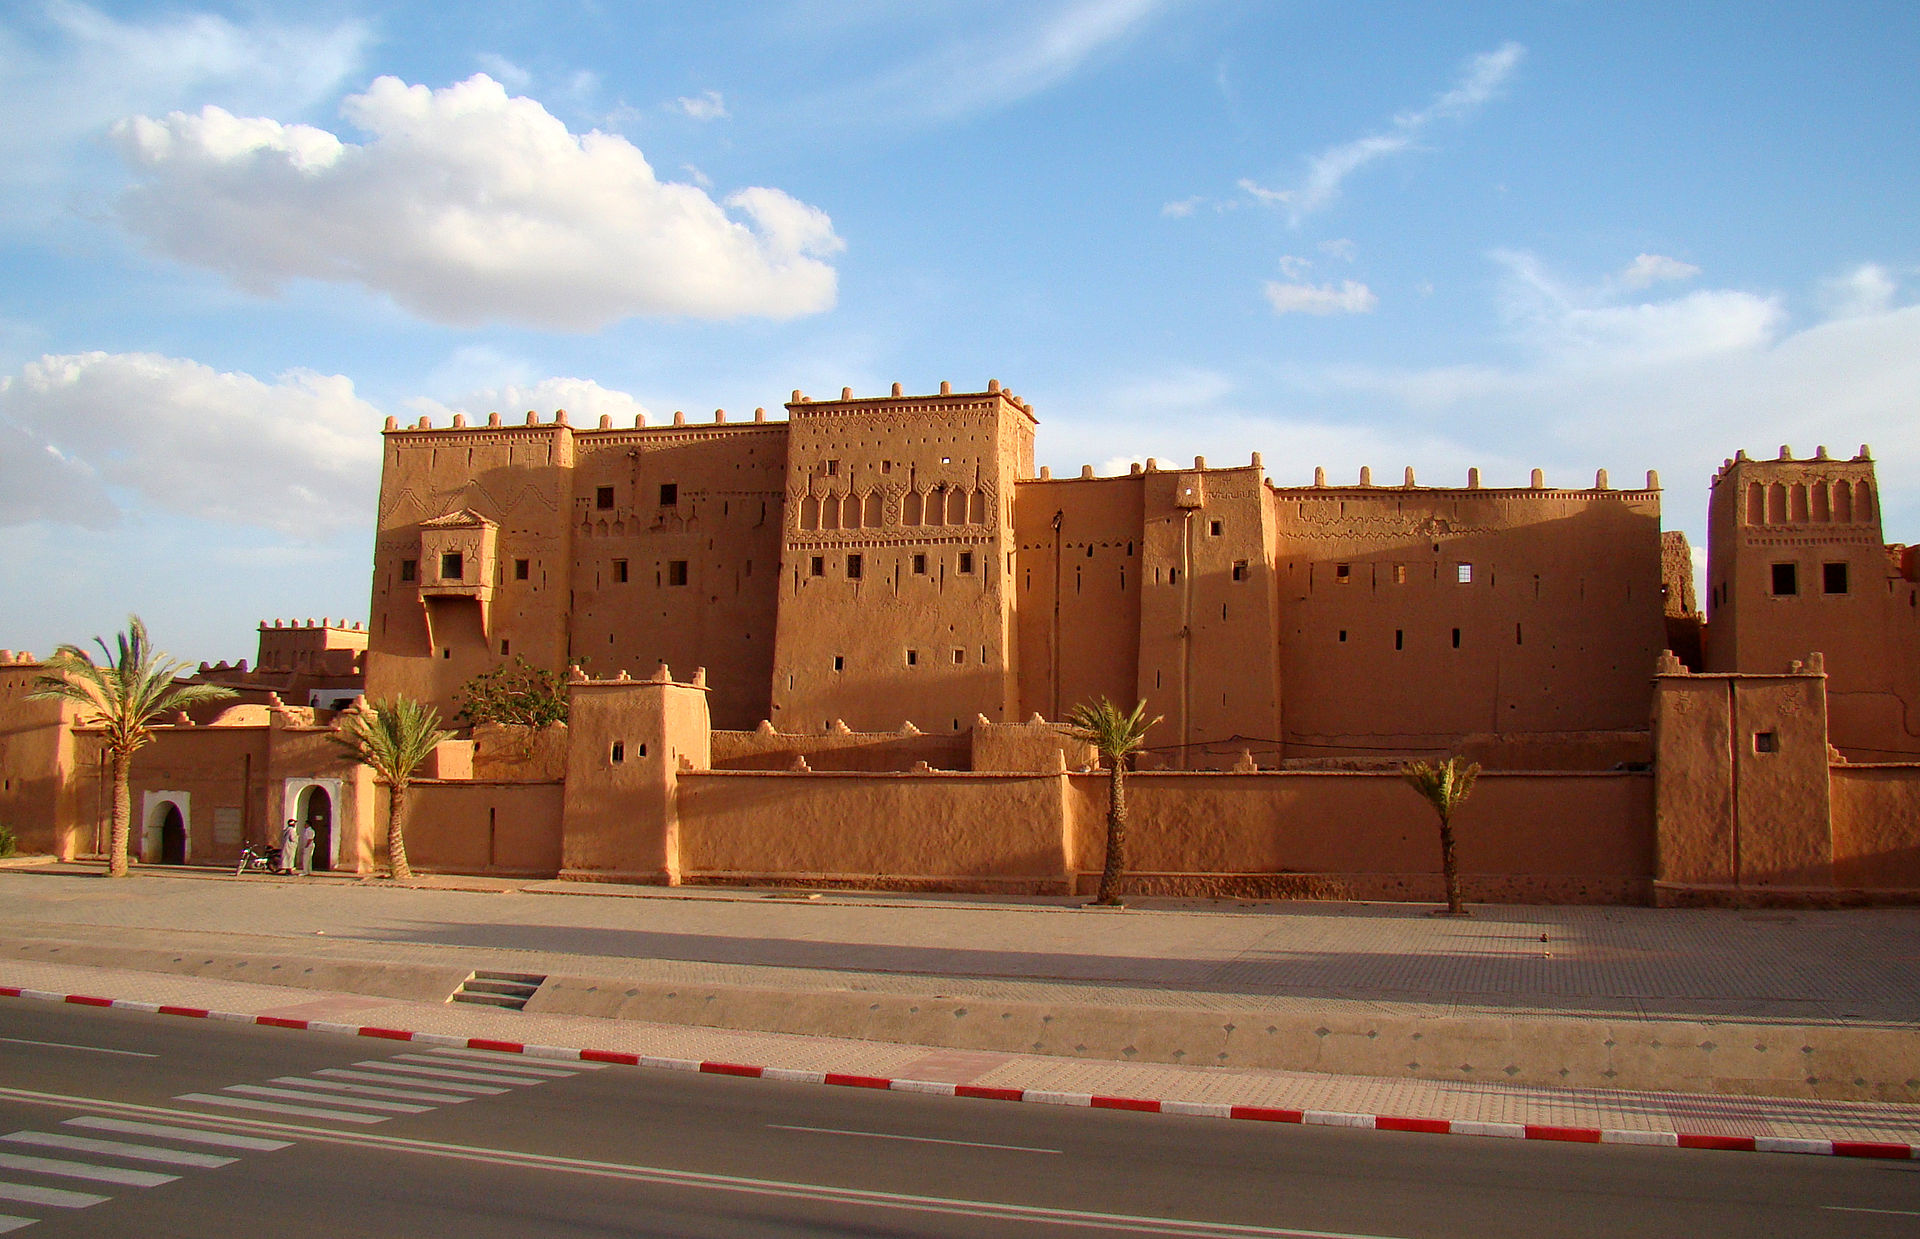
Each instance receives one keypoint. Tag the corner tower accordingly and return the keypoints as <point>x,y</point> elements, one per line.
<point>896,597</point>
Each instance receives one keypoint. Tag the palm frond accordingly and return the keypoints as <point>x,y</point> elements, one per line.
<point>1115,734</point>
<point>394,738</point>
<point>1444,785</point>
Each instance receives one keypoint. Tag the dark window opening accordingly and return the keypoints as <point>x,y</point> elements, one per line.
<point>959,656</point>
<point>620,571</point>
<point>1239,569</point>
<point>1342,573</point>
<point>1399,638</point>
<point>409,569</point>
<point>913,658</point>
<point>1089,550</point>
<point>854,567</point>
<point>966,561</point>
<point>839,662</point>
<point>446,653</point>
<point>669,494</point>
<point>506,647</point>
<point>1833,578</point>
<point>521,568</point>
<point>451,566</point>
<point>833,467</point>
<point>920,569</point>
<point>1456,638</point>
<point>603,497</point>
<point>619,751</point>
<point>1215,529</point>
<point>1516,635</point>
<point>676,572</point>
<point>1786,580</point>
<point>1343,636</point>
<point>1766,742</point>
<point>1173,576</point>
<point>817,566</point>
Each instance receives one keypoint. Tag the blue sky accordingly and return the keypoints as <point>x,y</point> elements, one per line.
<point>235,237</point>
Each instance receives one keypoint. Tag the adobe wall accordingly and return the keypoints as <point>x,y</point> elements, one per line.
<point>958,832</point>
<point>839,748</point>
<point>1078,590</point>
<point>484,826</point>
<point>1523,837</point>
<point>504,753</point>
<point>1876,828</point>
<point>1411,617</point>
<point>628,740</point>
<point>39,758</point>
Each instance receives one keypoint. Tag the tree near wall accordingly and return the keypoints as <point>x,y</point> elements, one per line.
<point>123,696</point>
<point>1116,736</point>
<point>393,738</point>
<point>1446,786</point>
<point>517,693</point>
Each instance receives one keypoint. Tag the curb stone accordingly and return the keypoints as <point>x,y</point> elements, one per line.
<point>1311,1118</point>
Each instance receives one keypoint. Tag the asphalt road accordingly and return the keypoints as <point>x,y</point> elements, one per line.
<point>116,1123</point>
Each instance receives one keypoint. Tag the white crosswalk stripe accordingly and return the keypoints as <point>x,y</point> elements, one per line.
<point>518,1062</point>
<point>444,1073</point>
<point>374,1090</point>
<point>275,1107</point>
<point>292,1094</point>
<point>9,1222</point>
<point>64,1169</point>
<point>343,1073</point>
<point>53,1197</point>
<point>118,1148</point>
<point>187,1135</point>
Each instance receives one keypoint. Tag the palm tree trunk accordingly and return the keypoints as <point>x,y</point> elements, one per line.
<point>1116,863</point>
<point>120,822</point>
<point>397,833</point>
<point>1450,869</point>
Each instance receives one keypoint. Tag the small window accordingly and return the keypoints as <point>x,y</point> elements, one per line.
<point>817,566</point>
<point>676,572</point>
<point>959,656</point>
<point>447,654</point>
<point>409,569</point>
<point>451,566</point>
<point>1463,573</point>
<point>619,753</point>
<point>839,662</point>
<point>1766,742</point>
<point>1786,580</point>
<point>669,494</point>
<point>833,467</point>
<point>1399,638</point>
<point>1343,636</point>
<point>855,566</point>
<point>1456,638</point>
<point>913,658</point>
<point>603,498</point>
<point>966,561</point>
<point>1214,528</point>
<point>1399,574</point>
<point>920,565</point>
<point>1342,573</point>
<point>620,571</point>
<point>520,569</point>
<point>1833,578</point>
<point>506,647</point>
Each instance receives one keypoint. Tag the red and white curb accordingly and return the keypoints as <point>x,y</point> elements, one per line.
<point>1196,1109</point>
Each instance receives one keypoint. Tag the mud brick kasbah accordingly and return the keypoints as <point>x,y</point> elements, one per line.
<point>827,650</point>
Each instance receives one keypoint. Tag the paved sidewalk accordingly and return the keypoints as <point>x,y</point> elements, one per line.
<point>1365,996</point>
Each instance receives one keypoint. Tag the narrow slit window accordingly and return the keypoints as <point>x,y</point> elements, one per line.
<point>1456,638</point>
<point>1399,638</point>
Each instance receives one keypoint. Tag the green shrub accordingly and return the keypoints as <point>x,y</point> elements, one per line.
<point>7,841</point>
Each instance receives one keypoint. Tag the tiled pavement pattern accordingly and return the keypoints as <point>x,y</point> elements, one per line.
<point>1489,1109</point>
<point>84,1160</point>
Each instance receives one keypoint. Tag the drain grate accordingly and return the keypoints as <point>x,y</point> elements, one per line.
<point>498,989</point>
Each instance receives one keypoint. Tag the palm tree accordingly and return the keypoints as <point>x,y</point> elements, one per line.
<point>1116,737</point>
<point>122,697</point>
<point>393,738</point>
<point>1446,787</point>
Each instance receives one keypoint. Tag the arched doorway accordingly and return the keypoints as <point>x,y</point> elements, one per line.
<point>318,813</point>
<point>173,836</point>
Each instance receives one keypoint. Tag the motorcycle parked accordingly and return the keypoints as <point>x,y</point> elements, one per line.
<point>258,858</point>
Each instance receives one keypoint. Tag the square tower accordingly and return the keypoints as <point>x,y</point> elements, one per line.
<point>896,598</point>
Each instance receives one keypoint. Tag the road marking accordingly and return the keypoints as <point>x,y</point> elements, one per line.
<point>273,1107</point>
<point>191,1135</point>
<point>117,1148</point>
<point>502,1056</point>
<point>444,1073</point>
<point>342,1073</point>
<point>294,1094</point>
<point>374,1090</point>
<point>9,1222</point>
<point>53,1197</point>
<point>1859,1209</point>
<point>881,1135</point>
<point>951,1206</point>
<point>84,1170</point>
<point>463,1071</point>
<point>91,1049</point>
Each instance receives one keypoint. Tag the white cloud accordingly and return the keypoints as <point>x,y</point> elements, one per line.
<point>707,105</point>
<point>584,400</point>
<point>1328,171</point>
<point>1349,298</point>
<point>1588,326</point>
<point>68,71</point>
<point>1295,267</point>
<point>1867,289</point>
<point>467,206</point>
<point>504,71</point>
<point>1180,209</point>
<point>300,455</point>
<point>1649,269</point>
<point>1340,247</point>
